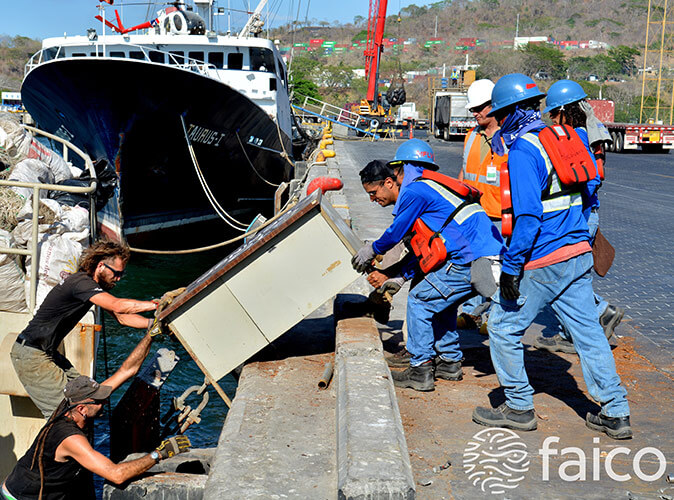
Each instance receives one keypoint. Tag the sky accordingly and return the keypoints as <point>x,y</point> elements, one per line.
<point>46,18</point>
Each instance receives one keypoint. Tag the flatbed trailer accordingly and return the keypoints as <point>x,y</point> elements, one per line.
<point>651,137</point>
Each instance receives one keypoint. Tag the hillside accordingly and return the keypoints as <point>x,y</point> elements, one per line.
<point>14,53</point>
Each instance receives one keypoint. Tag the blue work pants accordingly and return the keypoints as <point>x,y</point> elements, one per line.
<point>567,288</point>
<point>431,314</point>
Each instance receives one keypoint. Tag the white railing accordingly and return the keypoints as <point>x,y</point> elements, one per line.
<point>32,250</point>
<point>103,51</point>
<point>325,109</point>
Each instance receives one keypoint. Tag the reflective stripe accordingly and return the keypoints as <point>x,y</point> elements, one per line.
<point>466,148</point>
<point>455,201</point>
<point>563,202</point>
<point>469,176</point>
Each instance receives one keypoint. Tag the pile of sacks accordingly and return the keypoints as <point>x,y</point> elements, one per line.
<point>63,230</point>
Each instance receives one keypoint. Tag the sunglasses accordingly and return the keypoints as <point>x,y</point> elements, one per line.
<point>373,192</point>
<point>480,108</point>
<point>115,272</point>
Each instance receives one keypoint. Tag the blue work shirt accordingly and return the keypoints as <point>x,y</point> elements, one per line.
<point>590,191</point>
<point>474,237</point>
<point>535,233</point>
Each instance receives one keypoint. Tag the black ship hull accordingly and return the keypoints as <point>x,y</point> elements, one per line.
<point>142,117</point>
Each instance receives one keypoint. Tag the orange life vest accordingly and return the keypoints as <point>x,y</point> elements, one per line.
<point>484,175</point>
<point>569,165</point>
<point>599,156</point>
<point>429,245</point>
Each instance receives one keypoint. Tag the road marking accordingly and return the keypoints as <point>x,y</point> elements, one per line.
<point>662,175</point>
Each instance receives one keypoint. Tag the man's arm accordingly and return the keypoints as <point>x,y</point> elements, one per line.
<point>412,204</point>
<point>78,448</point>
<point>131,364</point>
<point>133,320</point>
<point>122,306</point>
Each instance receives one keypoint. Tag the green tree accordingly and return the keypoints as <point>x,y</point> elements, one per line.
<point>543,59</point>
<point>302,88</point>
<point>624,57</point>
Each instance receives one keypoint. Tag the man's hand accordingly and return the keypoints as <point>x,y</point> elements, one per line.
<point>376,279</point>
<point>168,297</point>
<point>392,285</point>
<point>509,286</point>
<point>155,328</point>
<point>363,259</point>
<point>172,446</point>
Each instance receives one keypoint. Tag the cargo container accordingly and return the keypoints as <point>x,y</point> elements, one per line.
<point>651,137</point>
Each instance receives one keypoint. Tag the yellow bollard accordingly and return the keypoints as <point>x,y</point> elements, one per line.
<point>320,157</point>
<point>328,141</point>
<point>328,153</point>
<point>322,145</point>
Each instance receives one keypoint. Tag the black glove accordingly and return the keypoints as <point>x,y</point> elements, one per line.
<point>363,259</point>
<point>509,286</point>
<point>172,446</point>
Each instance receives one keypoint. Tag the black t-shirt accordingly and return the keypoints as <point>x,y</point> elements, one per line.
<point>62,480</point>
<point>63,307</point>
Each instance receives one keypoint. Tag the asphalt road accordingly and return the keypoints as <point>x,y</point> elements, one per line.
<point>636,216</point>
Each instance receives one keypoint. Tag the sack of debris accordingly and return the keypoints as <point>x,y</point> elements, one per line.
<point>12,278</point>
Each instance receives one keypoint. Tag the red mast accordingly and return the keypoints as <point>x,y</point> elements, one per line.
<point>375,34</point>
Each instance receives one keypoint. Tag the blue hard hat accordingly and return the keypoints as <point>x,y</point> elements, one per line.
<point>417,151</point>
<point>563,92</point>
<point>511,89</point>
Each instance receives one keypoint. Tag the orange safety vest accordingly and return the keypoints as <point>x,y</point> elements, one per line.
<point>484,175</point>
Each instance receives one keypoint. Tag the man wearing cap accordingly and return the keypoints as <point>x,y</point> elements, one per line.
<point>44,371</point>
<point>481,169</point>
<point>54,465</point>
<point>467,235</point>
<point>548,262</point>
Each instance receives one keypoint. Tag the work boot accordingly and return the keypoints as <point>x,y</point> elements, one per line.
<point>419,378</point>
<point>554,344</point>
<point>611,318</point>
<point>448,370</point>
<point>614,427</point>
<point>504,416</point>
<point>399,359</point>
<point>467,321</point>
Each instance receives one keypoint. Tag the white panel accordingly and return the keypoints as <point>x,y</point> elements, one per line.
<point>291,279</point>
<point>219,332</point>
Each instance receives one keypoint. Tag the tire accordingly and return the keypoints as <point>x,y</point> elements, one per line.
<point>445,134</point>
<point>375,123</point>
<point>437,132</point>
<point>619,142</point>
<point>613,141</point>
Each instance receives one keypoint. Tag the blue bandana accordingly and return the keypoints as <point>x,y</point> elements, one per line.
<point>518,123</point>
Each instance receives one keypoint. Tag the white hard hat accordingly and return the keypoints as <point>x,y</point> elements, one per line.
<point>479,92</point>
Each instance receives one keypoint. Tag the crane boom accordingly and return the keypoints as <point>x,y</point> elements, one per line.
<point>375,34</point>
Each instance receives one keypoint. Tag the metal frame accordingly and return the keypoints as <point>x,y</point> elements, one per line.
<point>32,249</point>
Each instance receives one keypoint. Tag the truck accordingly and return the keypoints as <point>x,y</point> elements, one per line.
<point>407,113</point>
<point>449,117</point>
<point>652,137</point>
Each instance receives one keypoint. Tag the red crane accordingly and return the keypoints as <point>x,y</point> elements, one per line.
<point>375,34</point>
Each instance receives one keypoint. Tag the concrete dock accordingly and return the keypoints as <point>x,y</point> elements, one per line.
<point>363,439</point>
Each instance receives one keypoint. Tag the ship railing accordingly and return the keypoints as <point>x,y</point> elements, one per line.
<point>326,109</point>
<point>172,59</point>
<point>32,249</point>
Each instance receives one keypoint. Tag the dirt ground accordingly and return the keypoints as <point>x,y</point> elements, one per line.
<point>438,428</point>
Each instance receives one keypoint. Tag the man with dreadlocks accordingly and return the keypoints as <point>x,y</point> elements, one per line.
<point>42,370</point>
<point>53,467</point>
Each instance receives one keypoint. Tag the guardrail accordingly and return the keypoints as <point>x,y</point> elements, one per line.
<point>336,114</point>
<point>32,249</point>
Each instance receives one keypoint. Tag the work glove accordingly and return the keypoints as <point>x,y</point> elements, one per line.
<point>172,446</point>
<point>509,286</point>
<point>596,131</point>
<point>363,259</point>
<point>168,297</point>
<point>155,328</point>
<point>392,285</point>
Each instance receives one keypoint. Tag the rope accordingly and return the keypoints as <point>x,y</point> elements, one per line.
<point>221,212</point>
<point>251,163</point>
<point>216,245</point>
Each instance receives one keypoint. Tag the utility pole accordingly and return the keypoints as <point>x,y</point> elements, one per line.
<point>435,35</point>
<point>517,32</point>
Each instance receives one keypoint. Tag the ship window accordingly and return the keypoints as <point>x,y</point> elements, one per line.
<point>178,57</point>
<point>217,59</point>
<point>49,54</point>
<point>156,56</point>
<point>79,54</point>
<point>261,60</point>
<point>199,56</point>
<point>235,60</point>
<point>272,83</point>
<point>136,54</point>
<point>117,53</point>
